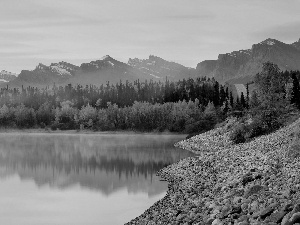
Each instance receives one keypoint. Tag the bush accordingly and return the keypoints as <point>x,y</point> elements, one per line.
<point>255,129</point>
<point>238,134</point>
<point>269,119</point>
<point>200,126</point>
<point>264,122</point>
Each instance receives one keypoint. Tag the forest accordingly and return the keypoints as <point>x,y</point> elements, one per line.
<point>190,106</point>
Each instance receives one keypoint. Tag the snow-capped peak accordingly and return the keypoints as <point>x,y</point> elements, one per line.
<point>6,76</point>
<point>4,72</point>
<point>110,63</point>
<point>105,57</point>
<point>269,41</point>
<point>62,68</point>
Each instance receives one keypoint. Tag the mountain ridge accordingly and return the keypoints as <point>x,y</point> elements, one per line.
<point>235,67</point>
<point>101,71</point>
<point>6,76</point>
<point>242,65</point>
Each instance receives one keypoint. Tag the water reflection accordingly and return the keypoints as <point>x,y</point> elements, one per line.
<point>105,162</point>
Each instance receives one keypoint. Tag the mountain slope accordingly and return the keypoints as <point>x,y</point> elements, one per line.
<point>106,70</point>
<point>45,75</point>
<point>7,76</point>
<point>102,71</point>
<point>241,66</point>
<point>158,68</point>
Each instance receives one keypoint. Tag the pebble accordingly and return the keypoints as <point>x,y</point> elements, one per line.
<point>250,183</point>
<point>253,190</point>
<point>277,216</point>
<point>295,218</point>
<point>217,222</point>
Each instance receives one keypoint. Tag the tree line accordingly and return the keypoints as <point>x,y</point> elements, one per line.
<point>144,106</point>
<point>192,105</point>
<point>123,94</point>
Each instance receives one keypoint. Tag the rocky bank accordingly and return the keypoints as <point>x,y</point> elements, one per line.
<point>251,183</point>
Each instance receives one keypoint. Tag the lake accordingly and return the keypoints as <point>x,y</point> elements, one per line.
<point>82,178</point>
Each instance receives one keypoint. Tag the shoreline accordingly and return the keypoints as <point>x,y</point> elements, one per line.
<point>250,183</point>
<point>72,132</point>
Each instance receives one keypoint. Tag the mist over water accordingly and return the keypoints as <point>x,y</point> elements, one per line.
<point>82,178</point>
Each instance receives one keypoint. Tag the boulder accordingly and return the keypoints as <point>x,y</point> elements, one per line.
<point>253,190</point>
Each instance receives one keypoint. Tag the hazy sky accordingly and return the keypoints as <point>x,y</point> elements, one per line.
<point>183,31</point>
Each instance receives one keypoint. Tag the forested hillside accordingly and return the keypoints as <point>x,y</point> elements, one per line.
<point>192,105</point>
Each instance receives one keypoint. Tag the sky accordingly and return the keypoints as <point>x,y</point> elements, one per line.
<point>182,31</point>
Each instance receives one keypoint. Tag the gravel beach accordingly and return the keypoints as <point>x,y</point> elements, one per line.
<point>251,183</point>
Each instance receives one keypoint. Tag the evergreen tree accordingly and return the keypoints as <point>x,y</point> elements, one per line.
<point>216,97</point>
<point>247,95</point>
<point>231,99</point>
<point>227,93</point>
<point>225,106</point>
<point>254,102</point>
<point>222,95</point>
<point>243,101</point>
<point>295,91</point>
<point>237,103</point>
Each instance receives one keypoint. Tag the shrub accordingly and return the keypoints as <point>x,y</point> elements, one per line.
<point>200,126</point>
<point>238,134</point>
<point>269,119</point>
<point>255,129</point>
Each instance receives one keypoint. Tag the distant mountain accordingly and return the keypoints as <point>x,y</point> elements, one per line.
<point>106,69</point>
<point>241,66</point>
<point>7,76</point>
<point>102,71</point>
<point>297,44</point>
<point>45,75</point>
<point>159,68</point>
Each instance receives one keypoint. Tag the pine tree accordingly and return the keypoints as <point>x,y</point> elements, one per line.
<point>254,102</point>
<point>225,106</point>
<point>216,97</point>
<point>243,101</point>
<point>231,99</point>
<point>227,92</point>
<point>247,95</point>
<point>222,95</point>
<point>237,103</point>
<point>295,91</point>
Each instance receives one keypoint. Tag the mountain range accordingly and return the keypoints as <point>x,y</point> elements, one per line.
<point>234,68</point>
<point>101,71</point>
<point>241,66</point>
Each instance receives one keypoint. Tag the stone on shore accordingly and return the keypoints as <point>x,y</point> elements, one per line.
<point>249,183</point>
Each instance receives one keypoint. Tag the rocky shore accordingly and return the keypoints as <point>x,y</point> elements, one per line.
<point>252,183</point>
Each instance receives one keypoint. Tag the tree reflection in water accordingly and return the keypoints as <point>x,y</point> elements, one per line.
<point>104,162</point>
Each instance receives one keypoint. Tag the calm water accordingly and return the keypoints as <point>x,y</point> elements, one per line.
<point>81,178</point>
